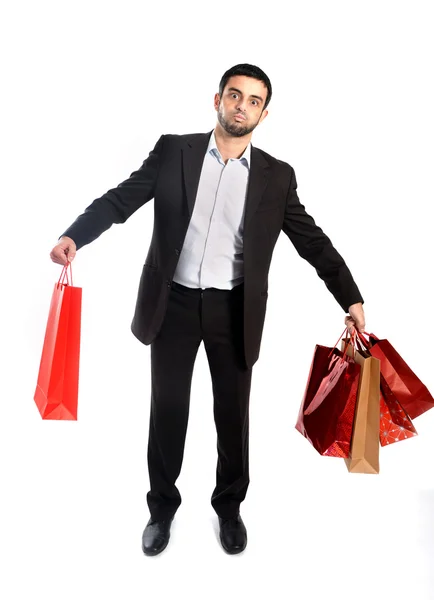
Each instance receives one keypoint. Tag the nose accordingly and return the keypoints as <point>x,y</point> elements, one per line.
<point>241,106</point>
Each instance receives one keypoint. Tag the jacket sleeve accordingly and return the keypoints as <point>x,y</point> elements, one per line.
<point>119,203</point>
<point>313,245</point>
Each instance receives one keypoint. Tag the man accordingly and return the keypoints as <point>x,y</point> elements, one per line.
<point>219,207</point>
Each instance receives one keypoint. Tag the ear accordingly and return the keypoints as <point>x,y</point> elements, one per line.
<point>216,101</point>
<point>264,114</point>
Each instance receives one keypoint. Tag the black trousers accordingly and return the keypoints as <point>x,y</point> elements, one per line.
<point>214,316</point>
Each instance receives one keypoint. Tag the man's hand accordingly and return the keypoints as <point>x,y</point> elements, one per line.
<point>357,318</point>
<point>64,251</point>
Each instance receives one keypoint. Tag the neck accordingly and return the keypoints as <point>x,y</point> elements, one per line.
<point>228,145</point>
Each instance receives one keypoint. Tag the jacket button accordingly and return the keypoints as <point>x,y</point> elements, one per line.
<point>168,282</point>
<point>176,251</point>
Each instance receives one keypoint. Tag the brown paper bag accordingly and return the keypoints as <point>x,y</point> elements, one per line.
<point>365,444</point>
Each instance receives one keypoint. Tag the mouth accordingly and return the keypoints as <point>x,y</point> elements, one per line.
<point>239,117</point>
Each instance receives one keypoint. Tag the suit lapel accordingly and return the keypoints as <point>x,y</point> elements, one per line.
<point>258,179</point>
<point>193,155</point>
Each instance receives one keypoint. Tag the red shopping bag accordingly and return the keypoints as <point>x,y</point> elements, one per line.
<point>410,392</point>
<point>395,424</point>
<point>56,391</point>
<point>327,411</point>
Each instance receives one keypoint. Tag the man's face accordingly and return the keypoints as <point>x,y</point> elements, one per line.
<point>242,97</point>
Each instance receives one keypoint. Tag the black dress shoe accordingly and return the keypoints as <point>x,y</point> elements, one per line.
<point>233,534</point>
<point>156,536</point>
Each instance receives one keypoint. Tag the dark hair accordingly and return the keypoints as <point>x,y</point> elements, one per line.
<point>248,71</point>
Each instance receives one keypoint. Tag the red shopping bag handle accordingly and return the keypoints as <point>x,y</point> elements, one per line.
<point>351,340</point>
<point>65,272</point>
<point>366,340</point>
<point>360,342</point>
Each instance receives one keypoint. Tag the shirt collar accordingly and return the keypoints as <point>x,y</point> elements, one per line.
<point>212,147</point>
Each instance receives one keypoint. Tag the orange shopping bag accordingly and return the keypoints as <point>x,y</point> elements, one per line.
<point>56,393</point>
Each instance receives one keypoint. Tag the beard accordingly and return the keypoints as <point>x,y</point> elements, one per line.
<point>236,129</point>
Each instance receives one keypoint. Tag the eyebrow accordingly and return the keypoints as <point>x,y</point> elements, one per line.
<point>232,89</point>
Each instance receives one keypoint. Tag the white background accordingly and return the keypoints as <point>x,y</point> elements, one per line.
<point>88,88</point>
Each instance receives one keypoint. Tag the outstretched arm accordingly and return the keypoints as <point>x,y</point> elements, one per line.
<point>313,245</point>
<point>119,203</point>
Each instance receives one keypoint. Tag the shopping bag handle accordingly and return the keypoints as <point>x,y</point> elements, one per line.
<point>351,340</point>
<point>65,272</point>
<point>360,342</point>
<point>335,367</point>
<point>366,340</point>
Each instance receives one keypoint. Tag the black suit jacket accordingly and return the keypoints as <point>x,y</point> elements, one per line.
<point>170,175</point>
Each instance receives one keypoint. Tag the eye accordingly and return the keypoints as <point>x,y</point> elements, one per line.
<point>234,94</point>
<point>255,101</point>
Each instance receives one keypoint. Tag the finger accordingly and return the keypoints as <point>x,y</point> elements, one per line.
<point>59,259</point>
<point>349,325</point>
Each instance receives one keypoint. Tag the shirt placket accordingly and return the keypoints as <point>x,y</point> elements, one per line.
<point>212,240</point>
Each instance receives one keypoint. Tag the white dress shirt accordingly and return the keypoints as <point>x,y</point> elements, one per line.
<point>212,254</point>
